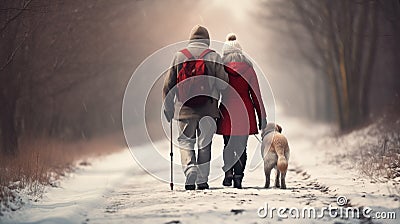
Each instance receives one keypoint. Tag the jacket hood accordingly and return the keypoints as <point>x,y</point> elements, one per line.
<point>237,68</point>
<point>199,34</point>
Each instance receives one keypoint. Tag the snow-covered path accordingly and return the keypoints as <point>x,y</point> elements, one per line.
<point>116,190</point>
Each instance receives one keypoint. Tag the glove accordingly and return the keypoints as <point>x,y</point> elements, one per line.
<point>169,115</point>
<point>262,124</point>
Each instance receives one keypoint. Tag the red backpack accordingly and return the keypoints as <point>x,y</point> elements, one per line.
<point>196,90</point>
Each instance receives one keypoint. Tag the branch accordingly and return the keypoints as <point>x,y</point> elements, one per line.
<point>16,9</point>
<point>15,16</point>
<point>73,84</point>
<point>11,57</point>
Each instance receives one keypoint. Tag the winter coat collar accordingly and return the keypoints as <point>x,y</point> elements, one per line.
<point>237,68</point>
<point>197,44</point>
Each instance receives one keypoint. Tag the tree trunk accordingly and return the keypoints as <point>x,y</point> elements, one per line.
<point>9,137</point>
<point>367,73</point>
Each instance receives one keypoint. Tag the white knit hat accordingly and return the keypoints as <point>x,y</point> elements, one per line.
<point>231,44</point>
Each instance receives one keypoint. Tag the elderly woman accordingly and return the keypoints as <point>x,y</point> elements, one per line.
<point>242,100</point>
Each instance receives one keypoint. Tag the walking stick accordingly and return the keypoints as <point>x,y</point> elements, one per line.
<point>171,154</point>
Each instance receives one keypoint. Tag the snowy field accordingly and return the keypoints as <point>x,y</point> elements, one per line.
<point>114,189</point>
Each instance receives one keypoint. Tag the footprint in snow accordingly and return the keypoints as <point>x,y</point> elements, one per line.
<point>237,211</point>
<point>173,222</point>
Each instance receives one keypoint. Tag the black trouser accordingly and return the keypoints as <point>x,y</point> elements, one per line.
<point>235,154</point>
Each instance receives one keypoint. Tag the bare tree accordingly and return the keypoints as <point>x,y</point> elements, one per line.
<point>13,37</point>
<point>56,77</point>
<point>344,35</point>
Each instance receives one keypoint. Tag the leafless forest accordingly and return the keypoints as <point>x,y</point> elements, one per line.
<point>353,46</point>
<point>64,64</point>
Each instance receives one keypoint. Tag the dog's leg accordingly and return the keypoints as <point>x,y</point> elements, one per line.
<point>267,171</point>
<point>277,178</point>
<point>283,181</point>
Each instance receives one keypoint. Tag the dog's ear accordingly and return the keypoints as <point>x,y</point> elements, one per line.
<point>279,128</point>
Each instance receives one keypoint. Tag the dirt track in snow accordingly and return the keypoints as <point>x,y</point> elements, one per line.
<point>116,190</point>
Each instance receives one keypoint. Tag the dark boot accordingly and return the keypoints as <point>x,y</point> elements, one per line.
<point>228,178</point>
<point>237,181</point>
<point>190,181</point>
<point>238,170</point>
<point>203,186</point>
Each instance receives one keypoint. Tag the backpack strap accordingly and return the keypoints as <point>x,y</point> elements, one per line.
<point>187,53</point>
<point>205,52</point>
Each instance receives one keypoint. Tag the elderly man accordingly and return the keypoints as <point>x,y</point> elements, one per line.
<point>196,115</point>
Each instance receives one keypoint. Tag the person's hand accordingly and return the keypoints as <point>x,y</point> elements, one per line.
<point>262,124</point>
<point>169,115</point>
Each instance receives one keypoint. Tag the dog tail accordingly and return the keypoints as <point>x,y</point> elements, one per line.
<point>282,164</point>
<point>280,146</point>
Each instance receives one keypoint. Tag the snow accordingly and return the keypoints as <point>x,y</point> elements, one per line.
<point>83,190</point>
<point>115,189</point>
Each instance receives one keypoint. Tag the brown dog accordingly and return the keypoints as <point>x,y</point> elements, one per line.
<point>275,152</point>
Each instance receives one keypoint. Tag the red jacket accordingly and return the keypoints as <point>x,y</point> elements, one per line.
<point>240,101</point>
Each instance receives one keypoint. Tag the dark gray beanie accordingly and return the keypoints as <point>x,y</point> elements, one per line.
<point>200,33</point>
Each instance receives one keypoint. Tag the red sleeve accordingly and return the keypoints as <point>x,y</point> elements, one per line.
<point>255,94</point>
